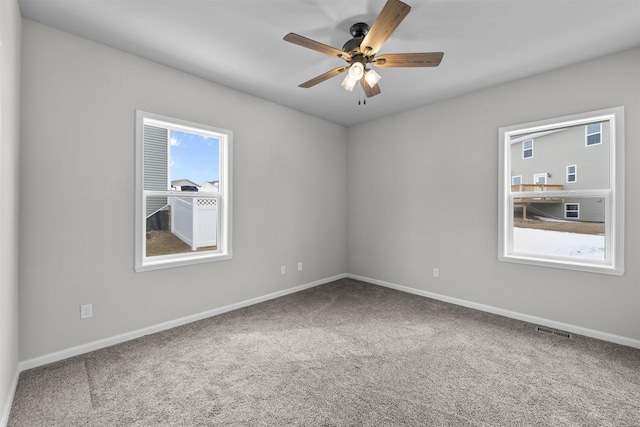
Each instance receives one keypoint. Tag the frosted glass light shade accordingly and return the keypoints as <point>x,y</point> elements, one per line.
<point>372,78</point>
<point>348,83</point>
<point>356,71</point>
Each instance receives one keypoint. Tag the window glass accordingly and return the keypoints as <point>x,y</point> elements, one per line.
<point>193,162</point>
<point>185,192</point>
<point>572,210</point>
<point>561,238</point>
<point>593,128</point>
<point>548,222</point>
<point>527,149</point>
<point>571,174</point>
<point>540,179</point>
<point>594,133</point>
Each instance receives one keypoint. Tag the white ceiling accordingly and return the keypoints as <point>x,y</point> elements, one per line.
<point>238,43</point>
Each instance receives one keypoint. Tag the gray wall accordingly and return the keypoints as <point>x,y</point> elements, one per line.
<point>422,193</point>
<point>10,24</point>
<point>77,198</point>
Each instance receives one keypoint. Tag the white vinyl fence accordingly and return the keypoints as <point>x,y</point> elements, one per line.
<point>195,220</point>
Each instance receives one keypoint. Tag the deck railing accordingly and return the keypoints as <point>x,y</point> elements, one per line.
<point>517,188</point>
<point>535,188</point>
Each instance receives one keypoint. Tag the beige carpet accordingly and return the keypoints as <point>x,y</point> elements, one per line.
<point>342,354</point>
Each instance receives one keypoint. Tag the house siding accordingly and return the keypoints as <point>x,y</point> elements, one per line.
<point>155,166</point>
<point>552,153</point>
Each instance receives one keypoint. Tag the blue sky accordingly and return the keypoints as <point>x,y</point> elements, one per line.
<point>194,157</point>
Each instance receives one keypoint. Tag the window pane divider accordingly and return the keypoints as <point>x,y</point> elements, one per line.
<point>563,193</point>
<point>185,194</point>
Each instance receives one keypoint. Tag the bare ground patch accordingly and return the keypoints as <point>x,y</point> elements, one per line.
<point>165,242</point>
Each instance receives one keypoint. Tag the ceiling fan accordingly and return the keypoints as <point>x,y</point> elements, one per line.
<point>361,51</point>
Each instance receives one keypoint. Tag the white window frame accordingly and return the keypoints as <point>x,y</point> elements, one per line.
<point>613,197</point>
<point>514,177</point>
<point>224,245</point>
<point>577,211</point>
<point>539,175</point>
<point>587,134</point>
<point>574,174</point>
<point>528,149</point>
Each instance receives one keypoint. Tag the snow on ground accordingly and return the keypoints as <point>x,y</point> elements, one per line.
<point>559,243</point>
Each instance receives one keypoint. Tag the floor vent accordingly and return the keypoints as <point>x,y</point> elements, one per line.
<point>553,332</point>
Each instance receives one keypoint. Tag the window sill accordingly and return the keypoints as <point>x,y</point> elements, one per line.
<point>588,267</point>
<point>170,261</point>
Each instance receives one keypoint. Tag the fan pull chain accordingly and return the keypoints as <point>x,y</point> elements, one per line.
<point>360,100</point>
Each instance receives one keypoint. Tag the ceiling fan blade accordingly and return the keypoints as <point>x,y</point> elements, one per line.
<point>387,21</point>
<point>393,60</point>
<point>368,90</point>
<point>317,46</point>
<point>323,77</point>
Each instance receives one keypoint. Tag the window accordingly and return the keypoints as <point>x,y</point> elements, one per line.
<point>545,222</point>
<point>593,134</point>
<point>572,210</point>
<point>183,192</point>
<point>527,149</point>
<point>516,180</point>
<point>540,178</point>
<point>572,174</point>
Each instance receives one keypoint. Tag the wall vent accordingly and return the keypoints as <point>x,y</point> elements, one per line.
<point>550,331</point>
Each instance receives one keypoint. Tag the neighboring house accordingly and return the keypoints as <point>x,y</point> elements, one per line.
<point>156,166</point>
<point>573,158</point>
<point>179,183</point>
<point>210,186</point>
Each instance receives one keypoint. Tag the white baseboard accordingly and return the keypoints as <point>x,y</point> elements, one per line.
<point>117,339</point>
<point>4,416</point>
<point>604,336</point>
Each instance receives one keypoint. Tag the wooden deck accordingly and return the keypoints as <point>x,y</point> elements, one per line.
<point>517,188</point>
<point>538,188</point>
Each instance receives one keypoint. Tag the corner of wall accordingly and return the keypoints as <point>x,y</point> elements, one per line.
<point>10,60</point>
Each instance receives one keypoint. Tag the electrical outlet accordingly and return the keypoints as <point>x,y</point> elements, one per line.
<point>436,272</point>
<point>299,266</point>
<point>86,311</point>
<point>283,269</point>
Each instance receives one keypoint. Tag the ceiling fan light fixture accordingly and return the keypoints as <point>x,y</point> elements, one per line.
<point>356,71</point>
<point>363,48</point>
<point>372,78</point>
<point>348,83</point>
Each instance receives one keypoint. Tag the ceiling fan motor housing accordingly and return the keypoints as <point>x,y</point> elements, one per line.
<point>358,31</point>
